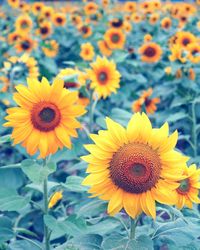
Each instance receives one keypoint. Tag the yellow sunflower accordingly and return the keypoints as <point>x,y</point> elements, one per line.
<point>44,30</point>
<point>45,118</point>
<point>25,44</point>
<point>115,38</point>
<point>14,3</point>
<point>104,77</point>
<point>79,77</point>
<point>166,23</point>
<point>87,51</point>
<point>85,30</point>
<point>103,47</point>
<point>150,52</point>
<point>184,38</point>
<point>23,24</point>
<point>134,167</point>
<point>59,19</point>
<point>188,189</point>
<point>50,48</point>
<point>194,52</point>
<point>37,8</point>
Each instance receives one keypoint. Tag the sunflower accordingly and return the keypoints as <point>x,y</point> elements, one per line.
<point>25,44</point>
<point>14,3</point>
<point>47,11</point>
<point>25,7</point>
<point>148,38</point>
<point>191,74</point>
<point>177,53</point>
<point>23,24</point>
<point>45,118</point>
<point>116,23</point>
<point>59,19</point>
<point>44,30</point>
<point>72,77</point>
<point>134,167</point>
<point>37,8</point>
<point>150,52</point>
<point>184,38</point>
<point>115,38</point>
<point>55,198</point>
<point>130,7</point>
<point>87,51</point>
<point>103,47</point>
<point>21,66</point>
<point>104,77</point>
<point>194,52</point>
<point>13,37</point>
<point>188,189</point>
<point>127,26</point>
<point>85,30</point>
<point>76,20</point>
<point>166,23</point>
<point>90,8</point>
<point>154,18</point>
<point>50,48</point>
<point>136,18</point>
<point>148,103</point>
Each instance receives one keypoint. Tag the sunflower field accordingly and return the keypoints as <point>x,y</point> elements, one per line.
<point>100,125</point>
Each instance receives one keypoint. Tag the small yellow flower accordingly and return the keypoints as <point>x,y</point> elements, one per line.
<point>55,198</point>
<point>168,70</point>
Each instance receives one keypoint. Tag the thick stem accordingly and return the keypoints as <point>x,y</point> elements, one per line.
<point>46,230</point>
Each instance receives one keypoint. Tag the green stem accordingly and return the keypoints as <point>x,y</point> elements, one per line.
<point>46,230</point>
<point>133,227</point>
<point>194,136</point>
<point>91,111</point>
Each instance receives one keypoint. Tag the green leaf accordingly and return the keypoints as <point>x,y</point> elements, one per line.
<point>73,184</point>
<point>11,201</point>
<point>4,139</point>
<point>6,230</point>
<point>35,172</point>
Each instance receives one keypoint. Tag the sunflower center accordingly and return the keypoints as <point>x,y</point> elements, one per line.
<point>25,45</point>
<point>45,116</point>
<point>150,52</point>
<point>44,30</point>
<point>147,102</point>
<point>59,19</point>
<point>135,168</point>
<point>115,38</point>
<point>102,77</point>
<point>186,41</point>
<point>84,29</point>
<point>24,25</point>
<point>184,187</point>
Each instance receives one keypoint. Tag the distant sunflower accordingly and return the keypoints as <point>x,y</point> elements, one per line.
<point>14,3</point>
<point>76,20</point>
<point>47,11</point>
<point>194,52</point>
<point>103,47</point>
<point>50,48</point>
<point>154,18</point>
<point>78,78</point>
<point>90,8</point>
<point>85,30</point>
<point>116,23</point>
<point>130,6</point>
<point>104,77</point>
<point>115,38</point>
<point>166,23</point>
<point>25,44</point>
<point>45,118</point>
<point>134,167</point>
<point>23,24</point>
<point>177,53</point>
<point>13,37</point>
<point>150,52</point>
<point>136,18</point>
<point>37,8</point>
<point>148,103</point>
<point>184,38</point>
<point>147,38</point>
<point>59,19</point>
<point>87,51</point>
<point>45,30</point>
<point>188,189</point>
